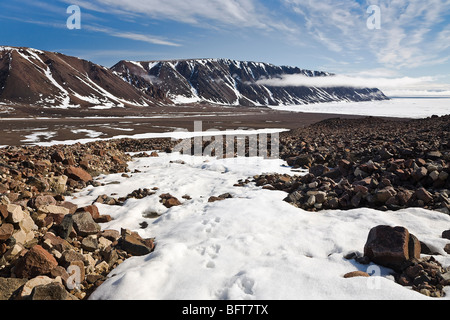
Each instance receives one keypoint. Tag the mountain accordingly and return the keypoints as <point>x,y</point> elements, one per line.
<point>49,83</point>
<point>231,82</point>
<point>53,80</point>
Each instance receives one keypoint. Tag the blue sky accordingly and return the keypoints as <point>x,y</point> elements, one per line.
<point>411,50</point>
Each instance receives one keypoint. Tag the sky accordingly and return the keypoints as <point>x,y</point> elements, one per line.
<point>400,45</point>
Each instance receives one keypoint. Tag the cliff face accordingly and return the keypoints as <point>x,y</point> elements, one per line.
<point>231,82</point>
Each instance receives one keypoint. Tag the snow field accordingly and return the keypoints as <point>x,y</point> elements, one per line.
<point>254,246</point>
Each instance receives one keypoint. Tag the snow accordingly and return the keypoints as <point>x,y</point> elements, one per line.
<point>37,136</point>
<point>177,134</point>
<point>65,103</point>
<point>254,246</point>
<point>414,107</point>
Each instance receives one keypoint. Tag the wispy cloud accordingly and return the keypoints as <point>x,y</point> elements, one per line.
<point>131,35</point>
<point>413,32</point>
<point>236,13</point>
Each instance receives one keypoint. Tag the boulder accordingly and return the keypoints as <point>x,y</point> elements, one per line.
<point>385,194</point>
<point>77,174</point>
<point>37,261</point>
<point>3,212</point>
<point>420,173</point>
<point>52,291</point>
<point>92,209</point>
<point>424,195</point>
<point>84,224</point>
<point>43,200</point>
<point>28,287</point>
<point>58,184</point>
<point>391,247</point>
<point>15,213</point>
<point>9,286</point>
<point>53,210</point>
<point>6,231</point>
<point>303,160</point>
<point>169,201</point>
<point>446,234</point>
<point>133,244</point>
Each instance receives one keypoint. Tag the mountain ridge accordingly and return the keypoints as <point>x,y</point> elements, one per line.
<point>51,80</point>
<point>184,80</point>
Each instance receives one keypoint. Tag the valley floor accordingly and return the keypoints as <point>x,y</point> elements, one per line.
<point>45,128</point>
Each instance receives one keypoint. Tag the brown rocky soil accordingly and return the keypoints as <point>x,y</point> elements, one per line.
<point>46,242</point>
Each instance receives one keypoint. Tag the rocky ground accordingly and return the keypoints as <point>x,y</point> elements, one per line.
<point>51,249</point>
<point>372,162</point>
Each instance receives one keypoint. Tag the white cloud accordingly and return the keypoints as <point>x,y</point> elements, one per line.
<point>386,84</point>
<point>237,13</point>
<point>132,35</point>
<point>412,32</point>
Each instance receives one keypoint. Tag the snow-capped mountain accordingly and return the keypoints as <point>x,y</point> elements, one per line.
<point>34,79</point>
<point>53,80</point>
<point>231,82</point>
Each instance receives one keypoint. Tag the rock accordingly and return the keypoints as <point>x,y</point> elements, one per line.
<point>69,205</point>
<point>52,291</point>
<point>321,197</point>
<point>53,210</point>
<point>84,225</point>
<point>77,174</point>
<point>356,274</point>
<point>169,201</point>
<point>434,175</point>
<point>93,210</point>
<point>55,242</point>
<point>102,267</point>
<point>385,154</point>
<point>37,261</point>
<point>303,160</point>
<point>58,156</point>
<point>434,155</point>
<point>135,245</point>
<point>385,194</point>
<point>15,213</point>
<point>69,256</point>
<point>446,234</point>
<point>6,231</point>
<point>318,170</point>
<point>28,287</point>
<point>58,184</point>
<point>43,200</point>
<point>10,286</point>
<point>3,212</point>
<point>311,201</point>
<point>112,235</point>
<point>65,228</point>
<point>90,243</point>
<point>420,173</point>
<point>22,237</point>
<point>443,176</point>
<point>447,248</point>
<point>423,195</point>
<point>103,243</point>
<point>12,253</point>
<point>27,224</point>
<point>391,246</point>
